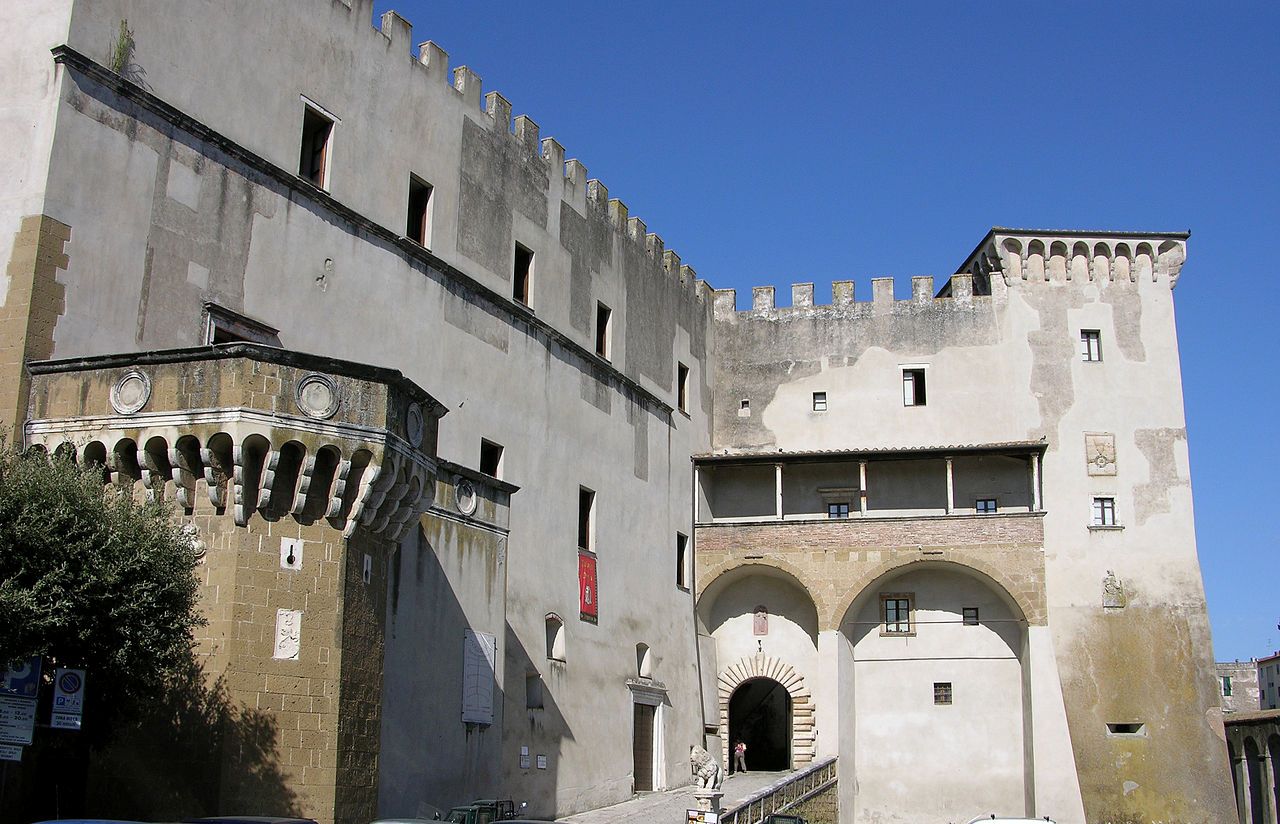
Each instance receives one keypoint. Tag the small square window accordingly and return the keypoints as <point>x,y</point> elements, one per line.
<point>682,387</point>
<point>942,692</point>
<point>985,505</point>
<point>418,225</point>
<point>970,616</point>
<point>682,561</point>
<point>313,160</point>
<point>604,330</point>
<point>1104,511</point>
<point>1090,345</point>
<point>491,458</point>
<point>522,275</point>
<point>744,404</point>
<point>586,519</point>
<point>913,387</point>
<point>819,401</point>
<point>838,510</point>
<point>895,614</point>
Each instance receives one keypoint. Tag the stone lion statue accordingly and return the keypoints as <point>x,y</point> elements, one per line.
<point>707,772</point>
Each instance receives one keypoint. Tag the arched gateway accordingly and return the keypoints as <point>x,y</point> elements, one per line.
<point>748,685</point>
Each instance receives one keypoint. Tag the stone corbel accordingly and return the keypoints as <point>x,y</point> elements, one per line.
<point>215,477</point>
<point>268,479</point>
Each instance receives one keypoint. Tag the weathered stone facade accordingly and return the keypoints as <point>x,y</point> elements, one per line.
<point>930,519</point>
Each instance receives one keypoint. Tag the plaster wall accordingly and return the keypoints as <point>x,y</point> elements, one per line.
<point>1244,695</point>
<point>453,567</point>
<point>197,218</point>
<point>894,703</point>
<point>1006,366</point>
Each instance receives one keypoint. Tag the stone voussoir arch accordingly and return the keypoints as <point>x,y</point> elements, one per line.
<point>716,571</point>
<point>1031,604</point>
<point>762,665</point>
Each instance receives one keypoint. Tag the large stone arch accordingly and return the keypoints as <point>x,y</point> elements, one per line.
<point>715,573</point>
<point>1026,596</point>
<point>762,665</point>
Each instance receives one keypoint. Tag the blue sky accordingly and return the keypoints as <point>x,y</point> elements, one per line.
<point>780,143</point>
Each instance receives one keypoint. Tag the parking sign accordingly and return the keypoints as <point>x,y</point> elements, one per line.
<point>68,699</point>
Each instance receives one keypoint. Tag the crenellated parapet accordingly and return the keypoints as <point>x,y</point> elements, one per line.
<point>585,194</point>
<point>844,300</point>
<point>1037,255</point>
<point>256,431</point>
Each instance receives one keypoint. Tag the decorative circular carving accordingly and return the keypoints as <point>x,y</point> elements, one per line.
<point>464,495</point>
<point>414,426</point>
<point>318,396</point>
<point>131,392</point>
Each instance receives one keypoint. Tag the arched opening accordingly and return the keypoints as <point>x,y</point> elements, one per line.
<point>936,657</point>
<point>1253,768</point>
<point>644,663</point>
<point>760,717</point>
<point>555,637</point>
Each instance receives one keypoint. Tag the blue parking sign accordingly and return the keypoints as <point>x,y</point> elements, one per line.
<point>22,680</point>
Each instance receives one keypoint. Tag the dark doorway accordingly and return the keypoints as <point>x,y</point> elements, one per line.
<point>760,717</point>
<point>642,747</point>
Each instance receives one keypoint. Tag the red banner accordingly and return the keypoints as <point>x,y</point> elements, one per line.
<point>588,595</point>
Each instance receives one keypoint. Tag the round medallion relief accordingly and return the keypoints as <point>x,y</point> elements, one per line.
<point>464,495</point>
<point>414,426</point>
<point>131,392</point>
<point>318,396</point>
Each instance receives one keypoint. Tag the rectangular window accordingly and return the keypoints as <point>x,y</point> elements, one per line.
<point>522,275</point>
<point>1128,728</point>
<point>418,225</point>
<point>819,401</point>
<point>838,510</point>
<point>491,458</point>
<point>970,616</point>
<point>1226,686</point>
<point>603,320</point>
<point>682,561</point>
<point>895,614</point>
<point>586,519</point>
<point>942,692</point>
<point>985,505</point>
<point>1090,345</point>
<point>1104,511</point>
<point>313,161</point>
<point>682,387</point>
<point>533,691</point>
<point>913,387</point>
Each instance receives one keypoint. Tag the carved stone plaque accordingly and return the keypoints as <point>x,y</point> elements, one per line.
<point>131,392</point>
<point>288,634</point>
<point>1100,453</point>
<point>1113,594</point>
<point>317,396</point>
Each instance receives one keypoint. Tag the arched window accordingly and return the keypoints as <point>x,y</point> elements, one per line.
<point>644,661</point>
<point>555,637</point>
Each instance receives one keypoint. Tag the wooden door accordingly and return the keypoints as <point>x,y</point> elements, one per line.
<point>642,747</point>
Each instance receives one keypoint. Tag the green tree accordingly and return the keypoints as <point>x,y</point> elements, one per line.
<point>94,579</point>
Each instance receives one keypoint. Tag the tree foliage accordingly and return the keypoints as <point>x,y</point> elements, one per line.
<point>94,579</point>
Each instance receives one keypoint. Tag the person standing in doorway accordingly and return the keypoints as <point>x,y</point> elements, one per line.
<point>740,757</point>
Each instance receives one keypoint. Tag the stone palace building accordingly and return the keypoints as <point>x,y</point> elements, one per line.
<point>498,499</point>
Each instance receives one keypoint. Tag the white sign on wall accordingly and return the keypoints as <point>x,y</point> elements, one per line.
<point>479,653</point>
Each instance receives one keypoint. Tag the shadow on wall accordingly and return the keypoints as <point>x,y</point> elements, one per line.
<point>165,764</point>
<point>543,728</point>
<point>193,752</point>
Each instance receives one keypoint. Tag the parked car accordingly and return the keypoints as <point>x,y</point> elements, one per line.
<point>484,811</point>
